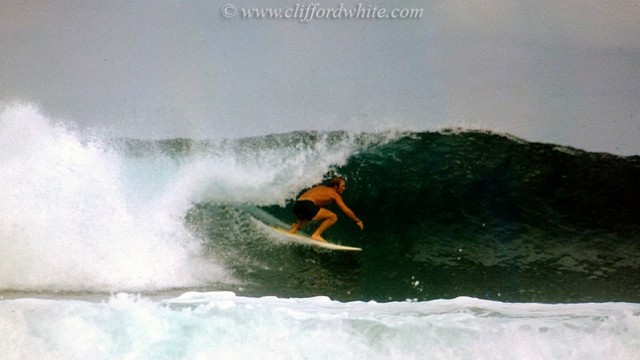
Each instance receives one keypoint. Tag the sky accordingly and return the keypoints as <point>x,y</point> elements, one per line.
<point>557,71</point>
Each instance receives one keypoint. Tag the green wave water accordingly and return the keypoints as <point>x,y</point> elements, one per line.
<point>452,214</point>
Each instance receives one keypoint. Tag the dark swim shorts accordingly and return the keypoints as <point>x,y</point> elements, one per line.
<point>305,210</point>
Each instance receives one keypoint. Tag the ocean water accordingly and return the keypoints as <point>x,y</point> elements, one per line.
<point>476,245</point>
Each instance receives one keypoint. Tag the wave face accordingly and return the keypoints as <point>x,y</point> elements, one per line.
<point>452,214</point>
<point>446,214</point>
<point>494,217</point>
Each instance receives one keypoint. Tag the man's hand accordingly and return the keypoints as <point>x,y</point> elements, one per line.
<point>360,224</point>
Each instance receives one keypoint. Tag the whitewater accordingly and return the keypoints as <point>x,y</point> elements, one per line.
<point>80,208</point>
<point>223,325</point>
<point>478,246</point>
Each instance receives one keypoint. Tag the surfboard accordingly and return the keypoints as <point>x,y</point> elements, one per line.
<point>300,239</point>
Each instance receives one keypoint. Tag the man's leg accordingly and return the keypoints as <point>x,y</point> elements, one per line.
<point>327,219</point>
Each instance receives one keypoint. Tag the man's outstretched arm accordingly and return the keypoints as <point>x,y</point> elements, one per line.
<point>345,209</point>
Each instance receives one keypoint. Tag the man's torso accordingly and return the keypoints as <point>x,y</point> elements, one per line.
<point>321,195</point>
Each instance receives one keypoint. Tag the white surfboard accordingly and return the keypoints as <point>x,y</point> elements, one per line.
<point>300,239</point>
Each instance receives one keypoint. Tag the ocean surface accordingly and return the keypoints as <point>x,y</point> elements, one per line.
<point>476,245</point>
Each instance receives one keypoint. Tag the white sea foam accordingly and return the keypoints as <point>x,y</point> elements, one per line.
<point>70,220</point>
<point>80,215</point>
<point>222,325</point>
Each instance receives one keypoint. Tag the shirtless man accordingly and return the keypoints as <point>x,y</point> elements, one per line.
<point>311,206</point>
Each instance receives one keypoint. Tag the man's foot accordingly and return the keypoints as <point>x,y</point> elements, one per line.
<point>318,238</point>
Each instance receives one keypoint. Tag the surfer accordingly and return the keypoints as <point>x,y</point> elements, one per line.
<point>311,206</point>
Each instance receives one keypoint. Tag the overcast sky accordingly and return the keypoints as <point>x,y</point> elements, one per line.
<point>559,71</point>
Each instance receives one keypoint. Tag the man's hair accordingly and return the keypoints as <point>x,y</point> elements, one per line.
<point>336,180</point>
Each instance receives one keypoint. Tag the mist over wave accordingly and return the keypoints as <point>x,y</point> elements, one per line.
<point>71,221</point>
<point>80,213</point>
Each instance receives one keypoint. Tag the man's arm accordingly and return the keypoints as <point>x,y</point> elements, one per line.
<point>345,209</point>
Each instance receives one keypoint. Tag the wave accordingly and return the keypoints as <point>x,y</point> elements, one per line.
<point>447,214</point>
<point>461,213</point>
